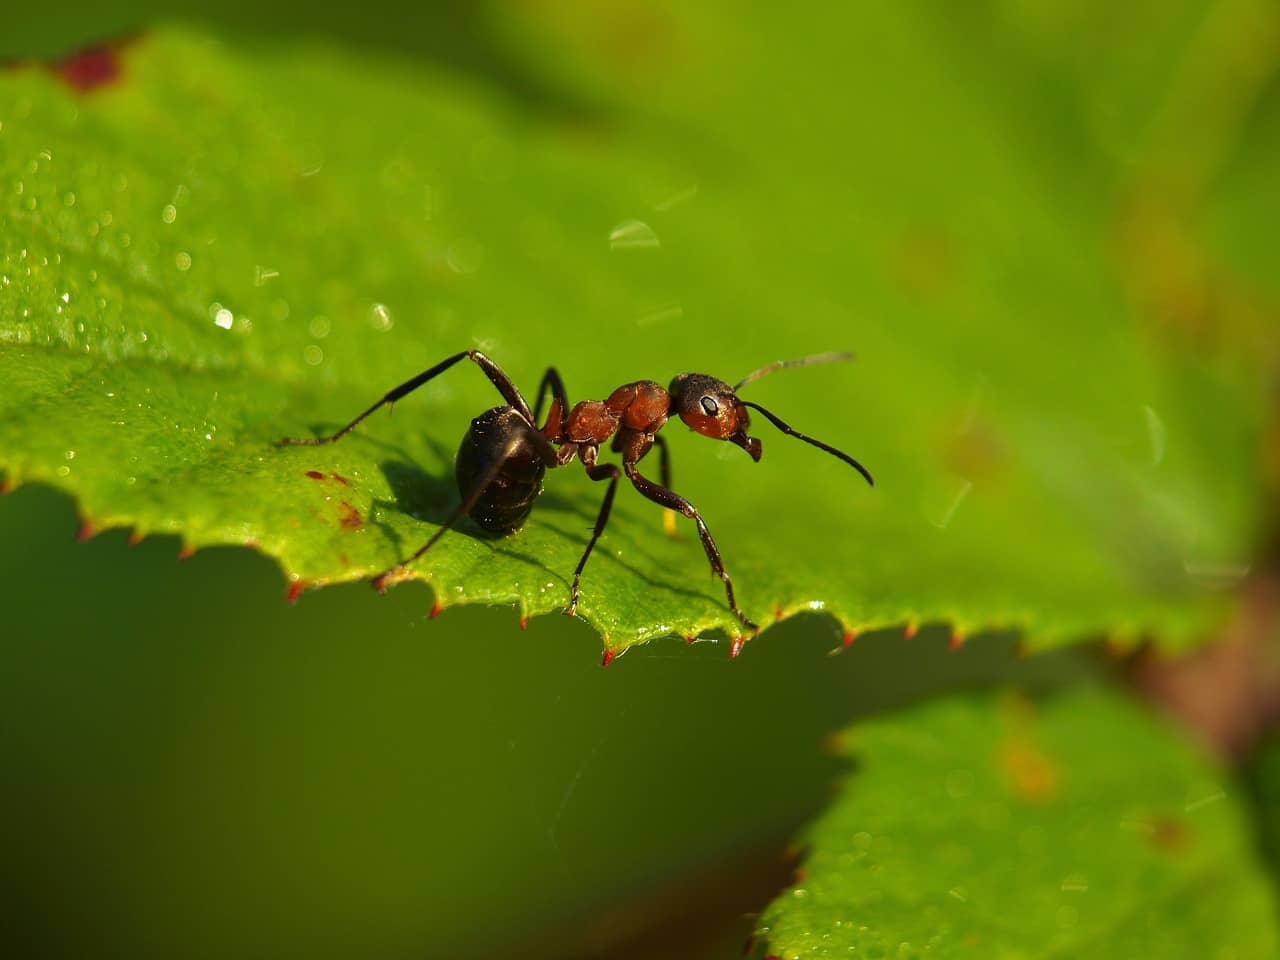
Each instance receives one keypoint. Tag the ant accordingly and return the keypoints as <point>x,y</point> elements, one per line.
<point>504,455</point>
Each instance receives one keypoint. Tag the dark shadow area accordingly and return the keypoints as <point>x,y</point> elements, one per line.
<point>151,754</point>
<point>708,911</point>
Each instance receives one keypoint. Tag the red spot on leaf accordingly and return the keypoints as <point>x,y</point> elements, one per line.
<point>90,69</point>
<point>735,648</point>
<point>350,516</point>
<point>380,582</point>
<point>295,591</point>
<point>956,641</point>
<point>524,623</point>
<point>607,658</point>
<point>690,637</point>
<point>849,637</point>
<point>910,630</point>
<point>777,613</point>
<point>86,531</point>
<point>437,608</point>
<point>315,474</point>
<point>339,478</point>
<point>6,486</point>
<point>187,552</point>
<point>135,537</point>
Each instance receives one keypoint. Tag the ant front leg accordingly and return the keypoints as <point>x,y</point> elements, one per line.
<point>496,376</point>
<point>603,471</point>
<point>673,501</point>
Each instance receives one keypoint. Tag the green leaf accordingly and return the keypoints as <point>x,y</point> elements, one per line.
<point>231,245</point>
<point>988,827</point>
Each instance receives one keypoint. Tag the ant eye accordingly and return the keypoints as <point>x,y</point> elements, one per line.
<point>709,405</point>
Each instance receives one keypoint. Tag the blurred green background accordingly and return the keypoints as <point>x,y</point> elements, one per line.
<point>193,768</point>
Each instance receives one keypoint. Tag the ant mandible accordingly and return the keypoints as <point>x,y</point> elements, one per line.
<point>504,456</point>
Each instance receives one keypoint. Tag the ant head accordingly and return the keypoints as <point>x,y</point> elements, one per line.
<point>711,408</point>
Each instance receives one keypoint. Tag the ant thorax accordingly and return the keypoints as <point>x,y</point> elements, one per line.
<point>641,407</point>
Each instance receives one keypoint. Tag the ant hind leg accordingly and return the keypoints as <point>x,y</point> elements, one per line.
<point>496,376</point>
<point>603,471</point>
<point>673,501</point>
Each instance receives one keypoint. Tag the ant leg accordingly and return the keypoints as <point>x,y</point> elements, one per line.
<point>456,514</point>
<point>664,472</point>
<point>499,379</point>
<point>551,381</point>
<point>664,460</point>
<point>673,501</point>
<point>604,471</point>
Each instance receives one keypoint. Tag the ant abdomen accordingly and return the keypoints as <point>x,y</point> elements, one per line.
<point>499,438</point>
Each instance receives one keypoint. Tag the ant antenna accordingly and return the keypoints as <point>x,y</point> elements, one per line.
<point>791,432</point>
<point>837,357</point>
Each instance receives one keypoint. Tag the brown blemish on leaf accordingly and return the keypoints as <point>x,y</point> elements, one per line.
<point>339,478</point>
<point>1031,773</point>
<point>349,516</point>
<point>1188,297</point>
<point>1169,834</point>
<point>315,474</point>
<point>925,264</point>
<point>975,451</point>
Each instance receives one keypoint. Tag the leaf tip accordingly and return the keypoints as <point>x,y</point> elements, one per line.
<point>186,552</point>
<point>87,530</point>
<point>437,608</point>
<point>850,635</point>
<point>956,640</point>
<point>910,630</point>
<point>735,648</point>
<point>295,591</point>
<point>608,657</point>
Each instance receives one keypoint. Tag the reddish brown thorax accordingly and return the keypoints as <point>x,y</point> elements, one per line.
<point>641,407</point>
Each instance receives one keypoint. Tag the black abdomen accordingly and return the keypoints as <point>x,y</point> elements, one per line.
<point>500,436</point>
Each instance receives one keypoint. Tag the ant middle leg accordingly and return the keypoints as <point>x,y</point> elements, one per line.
<point>673,501</point>
<point>551,381</point>
<point>496,376</point>
<point>603,471</point>
<point>664,474</point>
